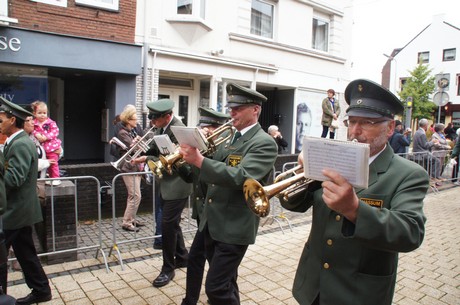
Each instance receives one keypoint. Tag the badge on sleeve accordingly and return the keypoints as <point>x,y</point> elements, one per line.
<point>234,160</point>
<point>376,203</point>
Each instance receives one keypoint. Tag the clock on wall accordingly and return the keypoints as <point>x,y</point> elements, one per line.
<point>443,82</point>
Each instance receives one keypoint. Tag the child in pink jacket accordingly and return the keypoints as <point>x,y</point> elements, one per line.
<point>46,131</point>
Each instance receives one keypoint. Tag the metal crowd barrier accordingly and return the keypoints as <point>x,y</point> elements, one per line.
<point>52,198</point>
<point>436,163</point>
<point>116,227</point>
<point>277,212</point>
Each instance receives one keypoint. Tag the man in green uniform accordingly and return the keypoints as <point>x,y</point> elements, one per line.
<point>23,208</point>
<point>174,192</point>
<point>351,256</point>
<point>228,224</point>
<point>210,120</point>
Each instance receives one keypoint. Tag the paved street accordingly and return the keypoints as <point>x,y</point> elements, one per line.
<point>430,275</point>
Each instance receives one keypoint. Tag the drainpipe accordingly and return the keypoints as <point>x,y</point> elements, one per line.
<point>145,70</point>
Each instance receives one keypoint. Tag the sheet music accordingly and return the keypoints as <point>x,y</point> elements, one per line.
<point>350,159</point>
<point>164,143</point>
<point>191,136</point>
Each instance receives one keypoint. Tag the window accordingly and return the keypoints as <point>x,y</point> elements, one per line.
<point>191,7</point>
<point>448,55</point>
<point>423,57</point>
<point>458,84</point>
<point>320,35</point>
<point>105,4</point>
<point>262,19</point>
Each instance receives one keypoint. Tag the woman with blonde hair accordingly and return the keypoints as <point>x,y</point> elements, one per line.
<point>129,131</point>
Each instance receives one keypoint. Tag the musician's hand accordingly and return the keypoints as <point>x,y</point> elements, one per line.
<point>339,195</point>
<point>300,159</point>
<point>191,155</point>
<point>139,160</point>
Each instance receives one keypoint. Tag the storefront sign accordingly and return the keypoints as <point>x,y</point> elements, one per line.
<point>13,44</point>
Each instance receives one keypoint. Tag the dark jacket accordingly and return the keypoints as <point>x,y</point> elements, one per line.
<point>21,170</point>
<point>399,142</point>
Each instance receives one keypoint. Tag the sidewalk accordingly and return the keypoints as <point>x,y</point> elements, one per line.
<point>429,275</point>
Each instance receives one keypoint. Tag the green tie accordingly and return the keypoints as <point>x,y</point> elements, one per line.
<point>236,136</point>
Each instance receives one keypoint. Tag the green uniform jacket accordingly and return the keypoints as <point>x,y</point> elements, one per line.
<point>328,112</point>
<point>2,185</point>
<point>172,186</point>
<point>21,170</point>
<point>356,264</point>
<point>226,213</point>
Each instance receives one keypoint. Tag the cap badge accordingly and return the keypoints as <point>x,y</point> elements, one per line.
<point>360,88</point>
<point>358,102</point>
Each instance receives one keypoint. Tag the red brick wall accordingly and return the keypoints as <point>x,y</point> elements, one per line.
<point>77,20</point>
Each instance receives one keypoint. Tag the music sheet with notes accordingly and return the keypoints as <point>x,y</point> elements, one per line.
<point>191,136</point>
<point>350,159</point>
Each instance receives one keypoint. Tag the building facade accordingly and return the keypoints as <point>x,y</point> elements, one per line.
<point>80,57</point>
<point>292,51</point>
<point>437,46</point>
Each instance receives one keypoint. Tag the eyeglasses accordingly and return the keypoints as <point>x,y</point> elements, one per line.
<point>365,124</point>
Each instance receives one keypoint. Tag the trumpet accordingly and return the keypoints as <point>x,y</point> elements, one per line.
<point>141,146</point>
<point>258,196</point>
<point>176,159</point>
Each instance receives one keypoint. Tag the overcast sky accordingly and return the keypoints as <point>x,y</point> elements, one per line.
<point>383,25</point>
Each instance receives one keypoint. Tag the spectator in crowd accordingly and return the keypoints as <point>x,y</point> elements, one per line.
<point>351,256</point>
<point>439,150</point>
<point>46,131</point>
<point>128,133</point>
<point>454,156</point>
<point>273,130</point>
<point>422,149</point>
<point>23,208</point>
<point>399,140</point>
<point>450,133</point>
<point>303,125</point>
<point>331,112</point>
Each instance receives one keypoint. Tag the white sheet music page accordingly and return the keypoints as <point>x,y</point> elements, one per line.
<point>350,159</point>
<point>164,143</point>
<point>191,136</point>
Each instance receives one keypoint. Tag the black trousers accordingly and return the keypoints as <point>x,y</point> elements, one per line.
<point>195,270</point>
<point>224,260</point>
<point>24,250</point>
<point>174,249</point>
<point>325,130</point>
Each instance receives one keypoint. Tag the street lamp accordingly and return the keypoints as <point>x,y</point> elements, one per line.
<point>395,83</point>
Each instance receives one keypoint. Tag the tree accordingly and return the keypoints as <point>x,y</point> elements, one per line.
<point>420,86</point>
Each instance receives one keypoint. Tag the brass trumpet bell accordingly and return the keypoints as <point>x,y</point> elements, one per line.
<point>258,196</point>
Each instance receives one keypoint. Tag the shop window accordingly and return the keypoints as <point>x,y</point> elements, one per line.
<point>423,57</point>
<point>111,5</point>
<point>62,3</point>
<point>262,18</point>
<point>320,35</point>
<point>448,54</point>
<point>194,8</point>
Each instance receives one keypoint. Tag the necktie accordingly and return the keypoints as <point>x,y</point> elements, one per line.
<point>161,130</point>
<point>236,136</point>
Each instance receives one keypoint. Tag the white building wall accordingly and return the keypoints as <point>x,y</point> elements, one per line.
<point>437,37</point>
<point>184,48</point>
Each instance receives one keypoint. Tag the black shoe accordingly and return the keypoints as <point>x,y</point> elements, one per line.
<point>138,224</point>
<point>34,298</point>
<point>181,264</point>
<point>158,246</point>
<point>163,279</point>
<point>130,228</point>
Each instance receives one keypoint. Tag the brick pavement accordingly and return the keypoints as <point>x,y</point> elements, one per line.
<point>429,275</point>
